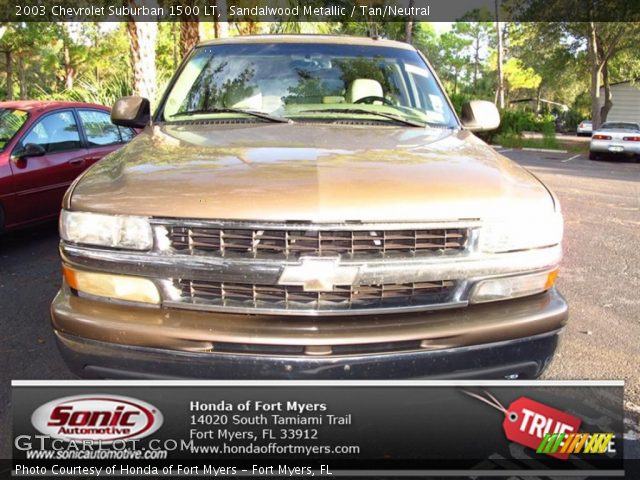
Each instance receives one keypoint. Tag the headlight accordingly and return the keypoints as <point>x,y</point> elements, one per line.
<point>521,234</point>
<point>119,231</point>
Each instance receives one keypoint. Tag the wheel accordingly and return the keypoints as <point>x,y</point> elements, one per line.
<point>593,155</point>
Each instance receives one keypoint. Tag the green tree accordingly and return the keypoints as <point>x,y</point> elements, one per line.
<point>604,42</point>
<point>479,31</point>
<point>453,58</point>
<point>542,48</point>
<point>28,48</point>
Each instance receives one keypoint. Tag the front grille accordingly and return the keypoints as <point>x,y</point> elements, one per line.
<point>288,243</point>
<point>285,297</point>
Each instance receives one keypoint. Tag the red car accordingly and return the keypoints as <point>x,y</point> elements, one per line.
<point>44,146</point>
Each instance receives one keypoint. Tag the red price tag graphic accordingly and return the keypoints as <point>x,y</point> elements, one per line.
<point>526,421</point>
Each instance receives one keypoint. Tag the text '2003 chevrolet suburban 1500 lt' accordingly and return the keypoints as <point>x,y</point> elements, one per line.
<point>308,207</point>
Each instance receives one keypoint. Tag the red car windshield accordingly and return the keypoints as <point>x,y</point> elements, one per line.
<point>11,121</point>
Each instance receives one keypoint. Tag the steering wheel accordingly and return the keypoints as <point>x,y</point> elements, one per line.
<point>374,98</point>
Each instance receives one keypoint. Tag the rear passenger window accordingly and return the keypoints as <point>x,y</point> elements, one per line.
<point>57,132</point>
<point>98,128</point>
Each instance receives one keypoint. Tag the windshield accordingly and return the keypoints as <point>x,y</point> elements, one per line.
<point>11,121</point>
<point>312,82</point>
<point>620,125</point>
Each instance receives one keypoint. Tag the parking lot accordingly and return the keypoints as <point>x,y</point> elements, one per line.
<point>600,278</point>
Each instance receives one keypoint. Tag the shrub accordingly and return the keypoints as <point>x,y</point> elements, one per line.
<point>458,100</point>
<point>90,90</point>
<point>548,130</point>
<point>514,122</point>
<point>570,120</point>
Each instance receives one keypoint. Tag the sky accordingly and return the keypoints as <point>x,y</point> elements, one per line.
<point>441,27</point>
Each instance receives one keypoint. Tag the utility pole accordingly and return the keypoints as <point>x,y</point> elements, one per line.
<point>500,90</point>
<point>408,25</point>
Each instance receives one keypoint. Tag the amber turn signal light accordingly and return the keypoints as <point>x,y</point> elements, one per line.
<point>116,287</point>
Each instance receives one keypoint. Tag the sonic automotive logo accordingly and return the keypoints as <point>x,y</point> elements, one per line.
<point>104,418</point>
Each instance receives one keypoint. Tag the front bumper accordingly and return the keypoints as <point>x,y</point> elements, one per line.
<point>516,337</point>
<point>526,358</point>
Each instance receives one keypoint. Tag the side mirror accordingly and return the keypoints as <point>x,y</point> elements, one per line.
<point>480,115</point>
<point>31,150</point>
<point>133,112</point>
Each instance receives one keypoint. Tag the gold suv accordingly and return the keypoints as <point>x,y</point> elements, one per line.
<point>308,207</point>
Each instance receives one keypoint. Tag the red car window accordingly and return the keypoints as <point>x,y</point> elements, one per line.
<point>98,128</point>
<point>56,132</point>
<point>11,121</point>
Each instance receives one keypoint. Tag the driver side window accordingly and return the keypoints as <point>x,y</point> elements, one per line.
<point>56,132</point>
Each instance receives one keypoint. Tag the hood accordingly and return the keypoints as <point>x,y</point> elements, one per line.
<point>308,172</point>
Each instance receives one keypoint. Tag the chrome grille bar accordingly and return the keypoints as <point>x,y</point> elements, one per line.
<point>293,243</point>
<point>285,297</point>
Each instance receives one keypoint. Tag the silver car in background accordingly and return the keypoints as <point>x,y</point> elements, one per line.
<point>615,138</point>
<point>585,128</point>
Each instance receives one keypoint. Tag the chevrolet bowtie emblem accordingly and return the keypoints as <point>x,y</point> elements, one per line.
<point>319,274</point>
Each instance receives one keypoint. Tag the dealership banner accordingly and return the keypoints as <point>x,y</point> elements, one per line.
<point>369,11</point>
<point>307,428</point>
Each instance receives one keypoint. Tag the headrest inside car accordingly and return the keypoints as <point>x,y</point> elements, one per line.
<point>363,87</point>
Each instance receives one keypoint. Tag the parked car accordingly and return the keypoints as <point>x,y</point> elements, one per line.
<point>44,146</point>
<point>615,139</point>
<point>308,207</point>
<point>584,128</point>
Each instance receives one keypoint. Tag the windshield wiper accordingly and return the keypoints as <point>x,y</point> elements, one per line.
<point>262,115</point>
<point>358,111</point>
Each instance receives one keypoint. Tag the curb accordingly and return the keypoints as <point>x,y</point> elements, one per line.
<point>545,150</point>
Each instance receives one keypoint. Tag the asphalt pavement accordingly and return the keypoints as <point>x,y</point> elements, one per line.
<point>600,277</point>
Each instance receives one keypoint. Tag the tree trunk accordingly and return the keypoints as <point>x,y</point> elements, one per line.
<point>8,58</point>
<point>595,68</point>
<point>174,45</point>
<point>189,34</point>
<point>69,71</point>
<point>221,25</point>
<point>606,108</point>
<point>22,80</point>
<point>476,64</point>
<point>408,25</point>
<point>142,40</point>
<point>500,90</point>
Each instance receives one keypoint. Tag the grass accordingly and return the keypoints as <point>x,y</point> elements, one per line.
<point>572,147</point>
<point>515,141</point>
